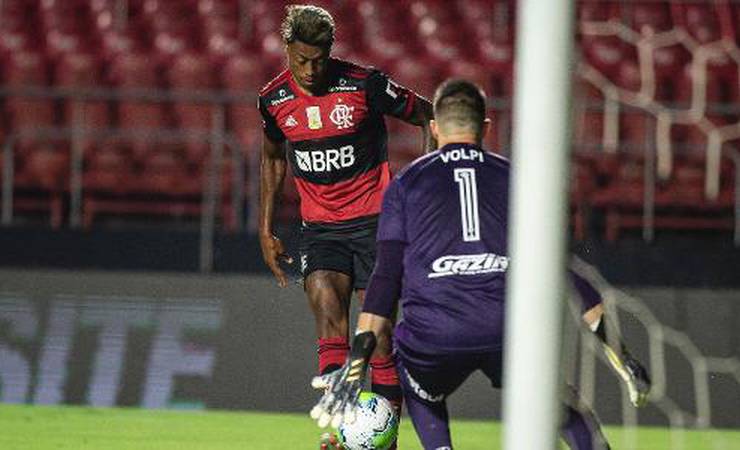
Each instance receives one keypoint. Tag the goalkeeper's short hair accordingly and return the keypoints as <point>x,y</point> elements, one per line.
<point>460,105</point>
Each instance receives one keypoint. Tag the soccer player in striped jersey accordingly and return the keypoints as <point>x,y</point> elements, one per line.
<point>442,250</point>
<point>325,117</point>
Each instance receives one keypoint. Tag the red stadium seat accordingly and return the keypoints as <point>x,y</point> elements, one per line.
<point>700,20</point>
<point>80,70</point>
<point>114,43</point>
<point>138,71</point>
<point>41,180</point>
<point>583,181</point>
<point>28,69</point>
<point>59,43</point>
<point>636,130</point>
<point>188,73</point>
<point>647,18</point>
<point>667,62</point>
<point>589,11</point>
<point>608,54</point>
<point>416,75</point>
<point>159,188</point>
<point>679,202</point>
<point>240,75</point>
<point>588,129</point>
<point>108,170</point>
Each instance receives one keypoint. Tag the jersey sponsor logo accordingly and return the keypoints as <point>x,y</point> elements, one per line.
<point>290,122</point>
<point>468,265</point>
<point>465,154</point>
<point>284,97</point>
<point>325,160</point>
<point>343,87</point>
<point>313,113</point>
<point>341,116</point>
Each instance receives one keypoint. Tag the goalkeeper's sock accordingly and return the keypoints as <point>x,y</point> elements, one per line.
<point>385,382</point>
<point>333,353</point>
<point>581,430</point>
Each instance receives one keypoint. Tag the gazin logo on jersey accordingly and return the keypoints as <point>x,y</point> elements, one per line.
<point>468,264</point>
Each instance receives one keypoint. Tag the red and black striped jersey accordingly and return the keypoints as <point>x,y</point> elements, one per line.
<point>337,142</point>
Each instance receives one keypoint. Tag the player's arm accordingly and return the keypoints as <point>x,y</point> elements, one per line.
<point>627,367</point>
<point>272,175</point>
<point>388,97</point>
<point>420,116</point>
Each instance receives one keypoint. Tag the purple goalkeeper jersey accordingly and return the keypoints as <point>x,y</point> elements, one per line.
<point>450,209</point>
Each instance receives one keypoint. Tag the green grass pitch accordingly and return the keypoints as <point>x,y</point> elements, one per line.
<point>75,428</point>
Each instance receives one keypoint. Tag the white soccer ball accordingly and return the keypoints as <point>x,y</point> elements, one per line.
<point>375,426</point>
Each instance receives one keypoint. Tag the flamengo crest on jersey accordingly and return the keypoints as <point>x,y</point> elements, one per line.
<point>341,115</point>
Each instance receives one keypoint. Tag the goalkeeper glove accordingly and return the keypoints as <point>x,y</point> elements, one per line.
<point>342,387</point>
<point>629,369</point>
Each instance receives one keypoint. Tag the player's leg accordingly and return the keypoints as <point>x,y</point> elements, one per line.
<point>427,381</point>
<point>580,429</point>
<point>328,296</point>
<point>326,266</point>
<point>430,418</point>
<point>383,374</point>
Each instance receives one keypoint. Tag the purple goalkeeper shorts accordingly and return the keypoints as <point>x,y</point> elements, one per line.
<point>433,377</point>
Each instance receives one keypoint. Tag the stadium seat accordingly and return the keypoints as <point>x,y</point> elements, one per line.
<point>59,43</point>
<point>137,71</point>
<point>28,69</point>
<point>597,11</point>
<point>608,54</point>
<point>667,62</point>
<point>240,75</point>
<point>159,188</point>
<point>109,169</point>
<point>583,181</point>
<point>700,20</point>
<point>415,74</point>
<point>636,130</point>
<point>115,43</point>
<point>191,72</point>
<point>679,202</point>
<point>588,121</point>
<point>81,70</point>
<point>41,180</point>
<point>647,18</point>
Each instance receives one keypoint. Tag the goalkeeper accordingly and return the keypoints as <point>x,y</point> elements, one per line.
<point>442,251</point>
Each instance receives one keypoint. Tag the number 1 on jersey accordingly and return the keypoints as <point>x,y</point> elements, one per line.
<point>465,178</point>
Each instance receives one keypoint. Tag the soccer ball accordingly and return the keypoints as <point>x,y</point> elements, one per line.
<point>375,426</point>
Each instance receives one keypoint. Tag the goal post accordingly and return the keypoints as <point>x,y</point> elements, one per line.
<point>537,230</point>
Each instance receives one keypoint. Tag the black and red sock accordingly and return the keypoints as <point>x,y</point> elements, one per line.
<point>333,353</point>
<point>384,381</point>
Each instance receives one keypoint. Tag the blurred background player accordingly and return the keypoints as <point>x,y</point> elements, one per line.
<point>325,115</point>
<point>446,245</point>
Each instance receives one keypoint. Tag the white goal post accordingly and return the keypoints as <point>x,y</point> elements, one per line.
<point>537,230</point>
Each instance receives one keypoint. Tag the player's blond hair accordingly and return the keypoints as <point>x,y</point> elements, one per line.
<point>309,24</point>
